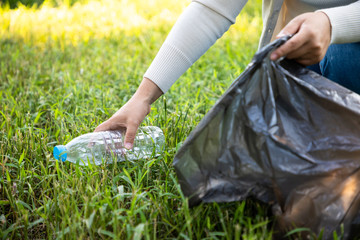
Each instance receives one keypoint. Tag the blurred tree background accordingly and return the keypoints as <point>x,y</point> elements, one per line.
<point>37,3</point>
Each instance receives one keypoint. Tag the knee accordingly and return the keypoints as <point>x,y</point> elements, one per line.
<point>341,64</point>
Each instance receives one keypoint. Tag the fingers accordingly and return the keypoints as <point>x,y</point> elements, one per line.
<point>128,118</point>
<point>308,54</point>
<point>130,136</point>
<point>290,29</point>
<point>107,125</point>
<point>291,46</point>
<point>304,52</point>
<point>302,47</point>
<point>310,41</point>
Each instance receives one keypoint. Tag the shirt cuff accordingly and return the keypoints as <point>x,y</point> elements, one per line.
<point>345,23</point>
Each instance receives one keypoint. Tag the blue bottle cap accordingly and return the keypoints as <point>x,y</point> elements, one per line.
<point>60,153</point>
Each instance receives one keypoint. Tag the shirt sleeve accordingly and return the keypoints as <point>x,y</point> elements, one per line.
<point>196,30</point>
<point>345,23</point>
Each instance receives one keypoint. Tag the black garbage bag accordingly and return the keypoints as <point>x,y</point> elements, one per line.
<point>286,136</point>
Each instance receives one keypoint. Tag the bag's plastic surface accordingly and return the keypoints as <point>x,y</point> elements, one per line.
<point>286,136</point>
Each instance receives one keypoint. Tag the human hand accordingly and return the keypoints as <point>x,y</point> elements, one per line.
<point>310,42</point>
<point>130,116</point>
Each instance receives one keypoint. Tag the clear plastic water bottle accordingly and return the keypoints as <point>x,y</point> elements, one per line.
<point>99,147</point>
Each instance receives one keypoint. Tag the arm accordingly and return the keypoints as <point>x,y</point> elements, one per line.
<point>196,30</point>
<point>314,32</point>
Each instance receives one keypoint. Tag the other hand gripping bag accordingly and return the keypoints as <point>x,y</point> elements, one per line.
<point>283,135</point>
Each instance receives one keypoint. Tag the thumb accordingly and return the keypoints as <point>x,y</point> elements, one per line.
<point>130,136</point>
<point>103,127</point>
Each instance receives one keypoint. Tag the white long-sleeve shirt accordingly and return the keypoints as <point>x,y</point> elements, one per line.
<point>204,21</point>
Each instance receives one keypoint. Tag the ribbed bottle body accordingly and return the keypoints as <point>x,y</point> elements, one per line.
<point>108,146</point>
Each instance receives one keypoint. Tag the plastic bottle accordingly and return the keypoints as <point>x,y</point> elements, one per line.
<point>99,147</point>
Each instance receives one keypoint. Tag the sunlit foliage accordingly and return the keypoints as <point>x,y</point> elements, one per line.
<point>102,19</point>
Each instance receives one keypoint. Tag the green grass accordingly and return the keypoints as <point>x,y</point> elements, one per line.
<point>56,85</point>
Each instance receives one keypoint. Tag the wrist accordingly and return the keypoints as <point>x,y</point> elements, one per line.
<point>140,97</point>
<point>147,92</point>
<point>327,24</point>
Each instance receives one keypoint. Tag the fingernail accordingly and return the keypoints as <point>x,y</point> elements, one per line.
<point>274,56</point>
<point>128,145</point>
<point>281,34</point>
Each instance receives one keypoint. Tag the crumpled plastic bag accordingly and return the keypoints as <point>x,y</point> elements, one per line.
<point>283,135</point>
